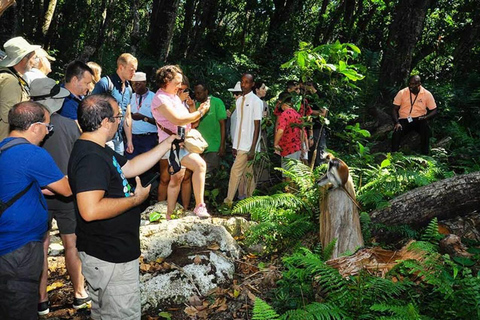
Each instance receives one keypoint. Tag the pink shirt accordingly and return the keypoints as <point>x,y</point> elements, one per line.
<point>162,98</point>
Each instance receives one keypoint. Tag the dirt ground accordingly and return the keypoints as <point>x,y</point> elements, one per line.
<point>233,302</point>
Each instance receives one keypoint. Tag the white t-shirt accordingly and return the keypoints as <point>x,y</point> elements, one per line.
<point>245,126</point>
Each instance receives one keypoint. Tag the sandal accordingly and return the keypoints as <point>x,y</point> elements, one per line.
<point>174,164</point>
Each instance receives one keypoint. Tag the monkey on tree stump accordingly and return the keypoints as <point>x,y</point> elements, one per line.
<point>339,217</point>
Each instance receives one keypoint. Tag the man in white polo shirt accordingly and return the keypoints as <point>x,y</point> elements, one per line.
<point>245,138</point>
<point>144,130</point>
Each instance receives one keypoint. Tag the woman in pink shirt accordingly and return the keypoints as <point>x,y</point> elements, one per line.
<point>170,113</point>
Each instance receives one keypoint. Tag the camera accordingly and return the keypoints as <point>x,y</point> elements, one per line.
<point>181,132</point>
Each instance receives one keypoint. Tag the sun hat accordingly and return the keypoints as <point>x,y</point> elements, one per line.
<point>16,49</point>
<point>41,53</point>
<point>237,88</point>
<point>139,76</point>
<point>47,92</point>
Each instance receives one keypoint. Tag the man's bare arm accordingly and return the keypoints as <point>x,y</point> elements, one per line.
<point>92,205</point>
<point>60,187</point>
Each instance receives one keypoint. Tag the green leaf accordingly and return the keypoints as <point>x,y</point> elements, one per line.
<point>385,163</point>
<point>155,216</point>
<point>165,315</point>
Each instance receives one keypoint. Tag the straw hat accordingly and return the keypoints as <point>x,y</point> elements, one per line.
<point>237,88</point>
<point>16,49</point>
<point>47,92</point>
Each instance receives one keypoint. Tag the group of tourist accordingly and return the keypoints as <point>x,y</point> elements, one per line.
<point>68,151</point>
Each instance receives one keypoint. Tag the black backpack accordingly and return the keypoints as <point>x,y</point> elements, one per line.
<point>5,205</point>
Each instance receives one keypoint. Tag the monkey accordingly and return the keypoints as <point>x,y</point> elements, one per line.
<point>337,174</point>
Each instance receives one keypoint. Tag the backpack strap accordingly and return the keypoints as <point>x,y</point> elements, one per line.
<point>12,143</point>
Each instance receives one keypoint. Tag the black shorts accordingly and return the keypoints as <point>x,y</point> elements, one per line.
<point>66,220</point>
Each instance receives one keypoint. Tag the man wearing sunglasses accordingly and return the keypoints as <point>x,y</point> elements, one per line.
<point>26,171</point>
<point>59,145</point>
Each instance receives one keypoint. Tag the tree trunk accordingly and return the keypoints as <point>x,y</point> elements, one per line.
<point>443,199</point>
<point>404,33</point>
<point>48,17</point>
<point>181,48</point>
<point>206,13</point>
<point>319,27</point>
<point>162,23</point>
<point>135,35</point>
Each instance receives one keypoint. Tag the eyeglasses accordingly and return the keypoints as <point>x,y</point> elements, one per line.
<point>119,116</point>
<point>47,125</point>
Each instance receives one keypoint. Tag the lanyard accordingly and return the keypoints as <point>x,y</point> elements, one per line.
<point>412,103</point>
<point>139,102</point>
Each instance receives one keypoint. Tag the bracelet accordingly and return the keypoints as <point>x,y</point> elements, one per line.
<point>311,137</point>
<point>201,113</point>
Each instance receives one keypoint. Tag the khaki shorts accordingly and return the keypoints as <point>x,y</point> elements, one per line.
<point>113,287</point>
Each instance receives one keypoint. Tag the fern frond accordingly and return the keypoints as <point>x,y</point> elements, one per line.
<point>431,233</point>
<point>262,311</point>
<point>405,312</point>
<point>316,311</point>
<point>268,202</point>
<point>328,250</point>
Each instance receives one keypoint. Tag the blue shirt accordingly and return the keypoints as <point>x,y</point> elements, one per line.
<point>26,220</point>
<point>123,98</point>
<point>144,107</point>
<point>70,107</point>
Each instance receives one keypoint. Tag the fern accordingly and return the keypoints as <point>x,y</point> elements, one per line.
<point>404,312</point>
<point>316,311</point>
<point>268,203</point>
<point>262,311</point>
<point>431,233</point>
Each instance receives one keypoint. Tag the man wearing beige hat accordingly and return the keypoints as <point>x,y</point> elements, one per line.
<point>59,145</point>
<point>19,59</point>
<point>144,129</point>
<point>41,66</point>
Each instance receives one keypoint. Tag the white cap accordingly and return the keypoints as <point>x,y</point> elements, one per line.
<point>139,76</point>
<point>237,88</point>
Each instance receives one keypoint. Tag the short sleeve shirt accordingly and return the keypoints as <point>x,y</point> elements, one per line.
<point>70,107</point>
<point>209,125</point>
<point>162,98</point>
<point>249,109</point>
<point>143,105</point>
<point>291,138</point>
<point>93,167</point>
<point>423,101</point>
<point>26,220</point>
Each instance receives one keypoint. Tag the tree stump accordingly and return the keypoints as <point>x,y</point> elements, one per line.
<point>339,220</point>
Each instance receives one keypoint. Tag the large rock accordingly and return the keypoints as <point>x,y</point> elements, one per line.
<point>200,256</point>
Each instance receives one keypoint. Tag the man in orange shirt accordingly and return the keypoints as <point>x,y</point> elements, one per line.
<point>412,107</point>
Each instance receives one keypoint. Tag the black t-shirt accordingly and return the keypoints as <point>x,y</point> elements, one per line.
<point>93,167</point>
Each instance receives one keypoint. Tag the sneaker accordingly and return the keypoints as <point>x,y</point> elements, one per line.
<point>201,211</point>
<point>80,303</point>
<point>43,308</point>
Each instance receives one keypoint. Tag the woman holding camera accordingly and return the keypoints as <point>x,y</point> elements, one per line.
<point>170,113</point>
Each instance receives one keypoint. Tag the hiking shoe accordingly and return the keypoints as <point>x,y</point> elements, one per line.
<point>201,211</point>
<point>43,308</point>
<point>80,303</point>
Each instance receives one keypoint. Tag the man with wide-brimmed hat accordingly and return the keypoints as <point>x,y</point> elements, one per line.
<point>13,88</point>
<point>59,145</point>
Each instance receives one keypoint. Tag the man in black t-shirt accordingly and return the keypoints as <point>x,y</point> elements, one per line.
<point>108,217</point>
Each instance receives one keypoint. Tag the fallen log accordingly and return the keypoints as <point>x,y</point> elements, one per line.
<point>442,199</point>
